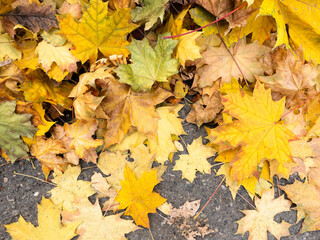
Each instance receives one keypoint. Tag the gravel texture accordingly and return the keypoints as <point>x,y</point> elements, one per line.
<point>19,195</point>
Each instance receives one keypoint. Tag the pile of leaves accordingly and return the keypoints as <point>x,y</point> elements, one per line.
<point>104,82</point>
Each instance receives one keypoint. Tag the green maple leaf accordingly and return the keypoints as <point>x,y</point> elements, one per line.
<point>150,12</point>
<point>12,126</point>
<point>149,65</point>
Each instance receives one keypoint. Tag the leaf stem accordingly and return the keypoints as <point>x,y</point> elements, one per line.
<point>195,217</point>
<point>195,30</point>
<point>299,104</point>
<point>235,61</point>
<point>25,175</point>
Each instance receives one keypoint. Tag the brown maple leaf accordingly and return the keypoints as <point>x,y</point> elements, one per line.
<point>130,109</point>
<point>293,77</point>
<point>31,16</point>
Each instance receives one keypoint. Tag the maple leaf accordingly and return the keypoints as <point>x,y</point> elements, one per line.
<point>94,225</point>
<point>137,196</point>
<point>293,77</point>
<point>128,109</point>
<point>79,136</point>
<point>221,8</point>
<point>46,152</point>
<point>258,130</point>
<point>187,49</point>
<point>259,26</point>
<point>301,19</point>
<point>101,185</point>
<point>186,224</point>
<point>195,161</point>
<point>68,187</point>
<point>252,184</point>
<point>38,88</point>
<point>150,12</point>
<point>38,116</point>
<point>7,49</point>
<point>31,16</point>
<point>12,126</point>
<point>307,207</point>
<point>219,63</point>
<point>259,221</point>
<point>205,110</point>
<point>115,163</point>
<point>98,30</point>
<point>168,125</point>
<point>49,225</point>
<point>149,65</point>
<point>48,54</point>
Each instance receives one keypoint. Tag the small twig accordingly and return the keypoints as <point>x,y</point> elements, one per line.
<point>300,104</point>
<point>25,175</point>
<point>235,61</point>
<point>195,217</point>
<point>195,30</point>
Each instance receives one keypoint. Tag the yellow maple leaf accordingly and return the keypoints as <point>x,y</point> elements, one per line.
<point>96,226</point>
<point>252,184</point>
<point>61,55</point>
<point>7,49</point>
<point>258,130</point>
<point>49,225</point>
<point>195,161</point>
<point>259,221</point>
<point>68,188</point>
<point>39,88</point>
<point>98,30</point>
<point>169,124</point>
<point>186,49</point>
<point>137,196</point>
<point>46,152</point>
<point>115,163</point>
<point>302,19</point>
<point>259,26</point>
<point>80,136</point>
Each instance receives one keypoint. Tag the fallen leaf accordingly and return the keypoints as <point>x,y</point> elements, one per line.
<point>31,16</point>
<point>219,63</point>
<point>301,19</point>
<point>182,218</point>
<point>94,224</point>
<point>38,88</point>
<point>155,64</point>
<point>12,127</point>
<point>205,110</point>
<point>47,151</point>
<point>195,161</point>
<point>260,220</point>
<point>79,136</point>
<point>297,193</point>
<point>150,12</point>
<point>293,77</point>
<point>128,109</point>
<point>68,188</point>
<point>258,130</point>
<point>48,225</point>
<point>138,197</point>
<point>98,30</point>
<point>60,55</point>
<point>168,125</point>
<point>7,49</point>
<point>186,49</point>
<point>101,185</point>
